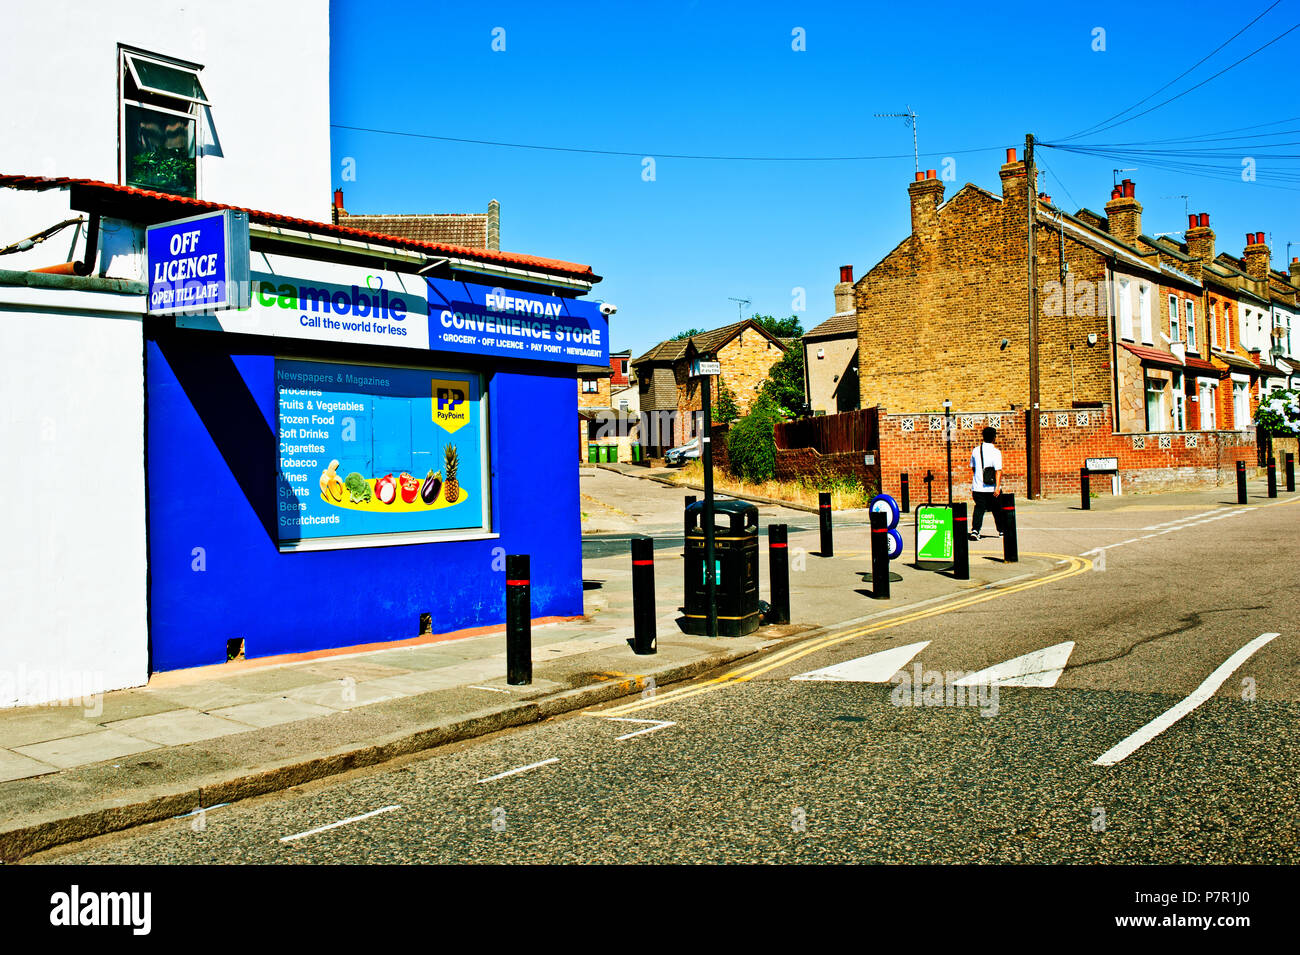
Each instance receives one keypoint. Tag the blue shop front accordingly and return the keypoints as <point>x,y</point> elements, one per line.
<point>345,452</point>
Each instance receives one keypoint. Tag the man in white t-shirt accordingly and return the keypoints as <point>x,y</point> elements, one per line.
<point>986,482</point>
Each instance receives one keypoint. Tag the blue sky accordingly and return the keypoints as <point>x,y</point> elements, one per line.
<point>723,79</point>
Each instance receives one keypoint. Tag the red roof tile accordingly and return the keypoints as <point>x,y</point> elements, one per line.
<point>94,186</point>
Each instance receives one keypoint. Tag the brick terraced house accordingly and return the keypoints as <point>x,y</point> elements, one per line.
<point>1150,351</point>
<point>671,401</point>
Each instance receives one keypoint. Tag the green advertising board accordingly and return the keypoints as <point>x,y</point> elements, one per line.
<point>933,537</point>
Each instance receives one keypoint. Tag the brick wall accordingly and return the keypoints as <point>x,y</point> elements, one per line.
<point>593,399</point>
<point>1151,461</point>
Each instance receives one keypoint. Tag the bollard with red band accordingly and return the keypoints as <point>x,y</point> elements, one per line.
<point>960,542</point>
<point>519,622</point>
<point>1241,482</point>
<point>1085,492</point>
<point>1272,477</point>
<point>643,595</point>
<point>778,557</point>
<point>1290,472</point>
<point>879,555</point>
<point>907,494</point>
<point>1010,546</point>
<point>690,499</point>
<point>824,511</point>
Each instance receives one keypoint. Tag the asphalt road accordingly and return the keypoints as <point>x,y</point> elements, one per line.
<point>764,768</point>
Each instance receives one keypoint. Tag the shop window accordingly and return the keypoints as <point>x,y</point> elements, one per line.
<point>1191,325</point>
<point>160,101</point>
<point>1173,319</point>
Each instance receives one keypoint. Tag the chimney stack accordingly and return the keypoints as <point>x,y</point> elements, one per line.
<point>1295,271</point>
<point>494,225</point>
<point>844,290</point>
<point>1014,178</point>
<point>1256,256</point>
<point>1124,213</point>
<point>926,193</point>
<point>1200,238</point>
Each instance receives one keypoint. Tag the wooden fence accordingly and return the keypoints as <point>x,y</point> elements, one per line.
<point>831,434</point>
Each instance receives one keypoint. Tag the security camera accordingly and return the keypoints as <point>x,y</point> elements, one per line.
<point>608,308</point>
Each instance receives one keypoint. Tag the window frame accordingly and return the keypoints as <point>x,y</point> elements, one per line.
<point>1145,321</point>
<point>194,110</point>
<point>1174,337</point>
<point>1189,310</point>
<point>1124,309</point>
<point>595,386</point>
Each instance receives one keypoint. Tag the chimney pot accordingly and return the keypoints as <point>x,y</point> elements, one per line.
<point>1011,155</point>
<point>1128,188</point>
<point>1250,238</point>
<point>846,273</point>
<point>338,198</point>
<point>920,176</point>
<point>931,174</point>
<point>1205,220</point>
<point>1295,259</point>
<point>1192,220</point>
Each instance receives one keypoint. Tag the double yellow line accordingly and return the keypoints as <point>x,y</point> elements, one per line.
<point>1076,565</point>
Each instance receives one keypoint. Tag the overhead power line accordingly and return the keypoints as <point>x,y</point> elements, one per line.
<point>1102,126</point>
<point>639,154</point>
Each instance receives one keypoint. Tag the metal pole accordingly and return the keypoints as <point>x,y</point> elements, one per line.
<point>778,557</point>
<point>706,442</point>
<point>1085,492</point>
<point>960,542</point>
<point>1031,205</point>
<point>1010,545</point>
<point>1241,482</point>
<point>519,623</point>
<point>1272,477</point>
<point>907,495</point>
<point>1290,472</point>
<point>879,555</point>
<point>643,595</point>
<point>947,436</point>
<point>824,514</point>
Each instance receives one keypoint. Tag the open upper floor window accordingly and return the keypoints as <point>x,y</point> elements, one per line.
<point>160,102</point>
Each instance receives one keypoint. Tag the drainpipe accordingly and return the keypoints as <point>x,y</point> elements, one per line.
<point>87,264</point>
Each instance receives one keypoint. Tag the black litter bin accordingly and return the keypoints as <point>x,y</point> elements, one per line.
<point>735,552</point>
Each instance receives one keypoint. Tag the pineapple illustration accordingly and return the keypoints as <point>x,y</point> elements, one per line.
<point>451,487</point>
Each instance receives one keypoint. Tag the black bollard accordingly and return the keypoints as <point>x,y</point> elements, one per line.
<point>960,542</point>
<point>879,555</point>
<point>643,595</point>
<point>778,556</point>
<point>824,510</point>
<point>907,495</point>
<point>1272,477</point>
<point>1241,482</point>
<point>519,622</point>
<point>690,499</point>
<point>1010,545</point>
<point>1290,472</point>
<point>1085,495</point>
<point>929,487</point>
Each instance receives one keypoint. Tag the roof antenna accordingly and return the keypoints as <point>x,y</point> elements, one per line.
<point>910,118</point>
<point>740,305</point>
<point>1114,175</point>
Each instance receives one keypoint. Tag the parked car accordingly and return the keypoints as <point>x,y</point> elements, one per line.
<point>689,451</point>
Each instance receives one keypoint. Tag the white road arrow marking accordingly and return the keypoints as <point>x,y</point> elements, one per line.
<point>1040,668</point>
<point>658,725</point>
<point>876,668</point>
<point>1171,716</point>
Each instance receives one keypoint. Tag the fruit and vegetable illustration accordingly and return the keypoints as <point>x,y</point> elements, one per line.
<point>402,494</point>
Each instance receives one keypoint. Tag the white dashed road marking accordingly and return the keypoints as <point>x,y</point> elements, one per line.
<point>521,769</point>
<point>335,825</point>
<point>1171,716</point>
<point>658,725</point>
<point>875,668</point>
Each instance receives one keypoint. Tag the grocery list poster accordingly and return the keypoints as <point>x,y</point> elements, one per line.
<point>479,320</point>
<point>367,450</point>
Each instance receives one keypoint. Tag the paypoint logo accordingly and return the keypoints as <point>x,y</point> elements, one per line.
<point>450,404</point>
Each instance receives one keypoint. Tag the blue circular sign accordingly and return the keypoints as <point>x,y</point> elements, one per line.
<point>895,545</point>
<point>884,504</point>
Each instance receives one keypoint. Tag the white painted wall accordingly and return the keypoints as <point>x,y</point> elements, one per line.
<point>266,73</point>
<point>72,518</point>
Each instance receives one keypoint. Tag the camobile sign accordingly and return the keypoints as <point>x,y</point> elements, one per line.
<point>298,298</point>
<point>199,263</point>
<point>479,320</point>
